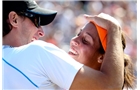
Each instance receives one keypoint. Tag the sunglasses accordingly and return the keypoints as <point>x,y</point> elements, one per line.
<point>34,18</point>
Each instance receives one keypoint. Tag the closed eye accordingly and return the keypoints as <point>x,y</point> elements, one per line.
<point>84,41</point>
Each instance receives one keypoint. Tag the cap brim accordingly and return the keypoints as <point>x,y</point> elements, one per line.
<point>46,15</point>
<point>102,35</point>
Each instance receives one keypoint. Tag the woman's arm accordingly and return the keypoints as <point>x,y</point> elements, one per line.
<point>111,75</point>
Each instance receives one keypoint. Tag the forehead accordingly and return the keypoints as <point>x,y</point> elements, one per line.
<point>90,28</point>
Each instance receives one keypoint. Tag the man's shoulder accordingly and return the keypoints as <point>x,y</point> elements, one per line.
<point>38,42</point>
<point>42,45</point>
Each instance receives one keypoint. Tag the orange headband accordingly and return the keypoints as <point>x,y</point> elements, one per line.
<point>102,35</point>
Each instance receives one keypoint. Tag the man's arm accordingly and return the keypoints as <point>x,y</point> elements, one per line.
<point>111,75</point>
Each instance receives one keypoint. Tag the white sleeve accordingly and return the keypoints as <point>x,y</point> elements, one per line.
<point>58,65</point>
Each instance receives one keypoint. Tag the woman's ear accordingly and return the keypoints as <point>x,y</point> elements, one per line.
<point>100,58</point>
<point>13,18</point>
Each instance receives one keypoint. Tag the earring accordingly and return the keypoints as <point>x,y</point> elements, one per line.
<point>99,61</point>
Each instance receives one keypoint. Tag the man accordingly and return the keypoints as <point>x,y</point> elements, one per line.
<point>40,65</point>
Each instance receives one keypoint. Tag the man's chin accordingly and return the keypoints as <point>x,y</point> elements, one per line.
<point>33,40</point>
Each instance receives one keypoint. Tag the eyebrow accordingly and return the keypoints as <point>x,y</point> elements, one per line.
<point>87,33</point>
<point>90,35</point>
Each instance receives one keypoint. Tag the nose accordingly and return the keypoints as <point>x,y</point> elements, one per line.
<point>40,32</point>
<point>74,41</point>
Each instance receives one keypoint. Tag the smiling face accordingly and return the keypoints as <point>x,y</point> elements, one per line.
<point>84,47</point>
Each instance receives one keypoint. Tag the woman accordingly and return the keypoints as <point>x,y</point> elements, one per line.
<point>89,47</point>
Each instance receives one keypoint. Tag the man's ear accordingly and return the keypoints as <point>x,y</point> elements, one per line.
<point>13,18</point>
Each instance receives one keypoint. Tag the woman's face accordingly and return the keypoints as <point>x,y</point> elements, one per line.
<point>84,47</point>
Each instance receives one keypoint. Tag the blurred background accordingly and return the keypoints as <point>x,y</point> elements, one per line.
<point>70,19</point>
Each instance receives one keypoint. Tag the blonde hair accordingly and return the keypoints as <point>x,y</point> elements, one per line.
<point>129,77</point>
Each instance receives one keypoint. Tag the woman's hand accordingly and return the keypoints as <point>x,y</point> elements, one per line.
<point>104,20</point>
<point>107,22</point>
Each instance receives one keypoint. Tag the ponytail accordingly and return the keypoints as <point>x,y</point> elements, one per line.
<point>129,77</point>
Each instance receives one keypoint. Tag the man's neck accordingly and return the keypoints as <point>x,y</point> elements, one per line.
<point>11,40</point>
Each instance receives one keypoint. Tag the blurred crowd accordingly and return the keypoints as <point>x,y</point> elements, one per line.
<point>70,19</point>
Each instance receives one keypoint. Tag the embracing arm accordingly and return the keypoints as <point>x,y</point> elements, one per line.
<point>111,75</point>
